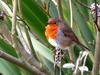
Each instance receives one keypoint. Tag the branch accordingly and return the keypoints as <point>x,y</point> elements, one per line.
<point>20,63</point>
<point>14,23</point>
<point>21,50</point>
<point>59,7</point>
<point>96,64</point>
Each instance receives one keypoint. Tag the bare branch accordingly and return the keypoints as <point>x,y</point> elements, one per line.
<point>96,64</point>
<point>95,70</point>
<point>20,63</point>
<point>59,9</point>
<point>14,23</point>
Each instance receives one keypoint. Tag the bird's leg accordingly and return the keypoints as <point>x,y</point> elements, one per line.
<point>58,57</point>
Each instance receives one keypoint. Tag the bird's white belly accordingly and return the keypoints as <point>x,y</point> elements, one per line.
<point>52,42</point>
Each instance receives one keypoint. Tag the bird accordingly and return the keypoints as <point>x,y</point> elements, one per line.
<point>60,35</point>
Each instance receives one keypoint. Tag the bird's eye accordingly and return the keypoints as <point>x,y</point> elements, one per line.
<point>55,23</point>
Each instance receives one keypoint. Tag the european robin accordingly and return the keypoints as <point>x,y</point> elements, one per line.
<point>60,35</point>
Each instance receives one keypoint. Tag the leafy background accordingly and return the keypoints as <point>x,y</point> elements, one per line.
<point>32,14</point>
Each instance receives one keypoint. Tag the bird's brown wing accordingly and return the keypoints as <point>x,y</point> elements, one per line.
<point>67,31</point>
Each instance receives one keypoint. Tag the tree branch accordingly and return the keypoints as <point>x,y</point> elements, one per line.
<point>14,23</point>
<point>96,64</point>
<point>20,63</point>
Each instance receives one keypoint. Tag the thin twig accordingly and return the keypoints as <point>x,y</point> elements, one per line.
<point>20,63</point>
<point>14,23</point>
<point>59,7</point>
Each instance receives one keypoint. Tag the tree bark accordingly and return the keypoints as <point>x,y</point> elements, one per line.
<point>96,64</point>
<point>22,64</point>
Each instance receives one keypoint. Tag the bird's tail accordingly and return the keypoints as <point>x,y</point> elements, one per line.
<point>83,46</point>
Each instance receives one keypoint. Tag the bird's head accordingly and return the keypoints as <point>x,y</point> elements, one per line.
<point>55,26</point>
<point>51,28</point>
<point>52,21</point>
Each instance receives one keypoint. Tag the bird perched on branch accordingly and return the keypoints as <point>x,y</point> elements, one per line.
<point>61,36</point>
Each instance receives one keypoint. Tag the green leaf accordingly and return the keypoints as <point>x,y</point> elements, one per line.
<point>41,49</point>
<point>44,54</point>
<point>24,72</point>
<point>7,48</point>
<point>6,68</point>
<point>85,31</point>
<point>53,10</point>
<point>35,17</point>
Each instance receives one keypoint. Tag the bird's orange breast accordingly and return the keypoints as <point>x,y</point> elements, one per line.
<point>51,31</point>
